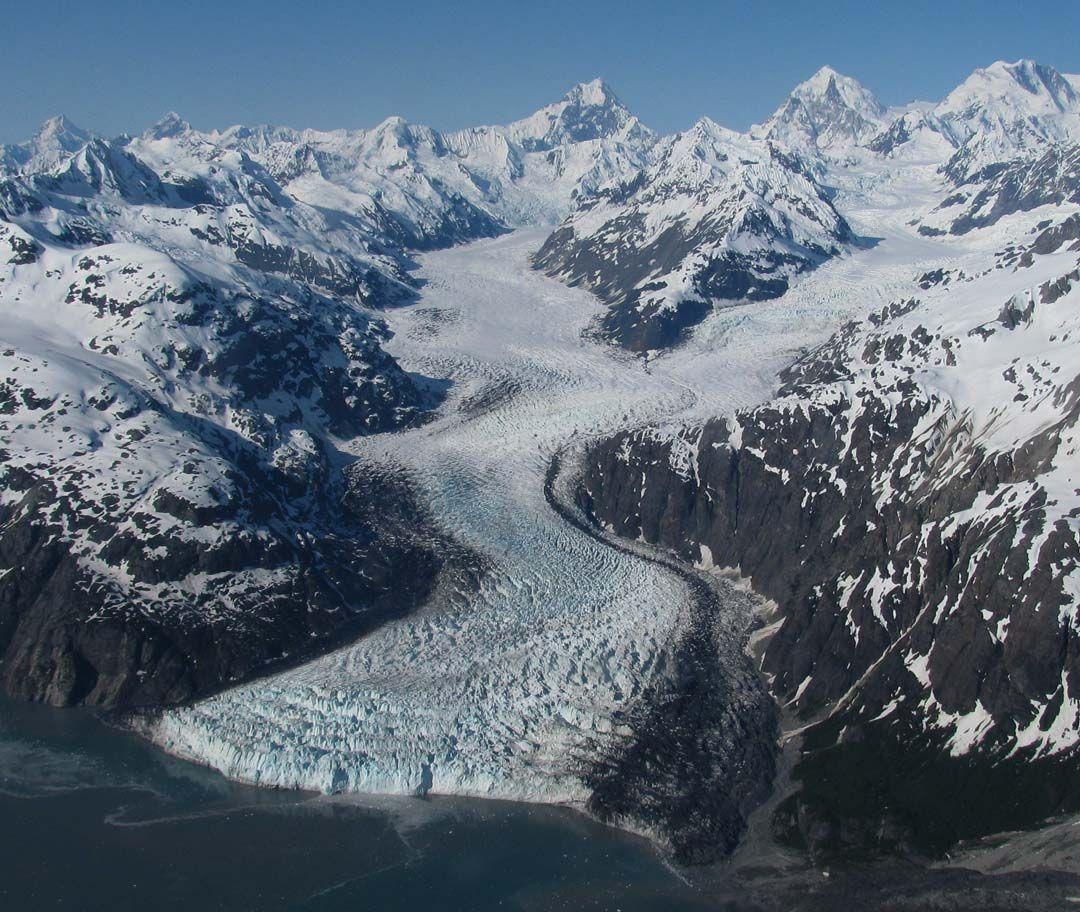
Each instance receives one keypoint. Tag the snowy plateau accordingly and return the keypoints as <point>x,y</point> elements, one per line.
<point>562,461</point>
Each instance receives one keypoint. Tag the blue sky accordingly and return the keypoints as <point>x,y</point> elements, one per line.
<point>117,66</point>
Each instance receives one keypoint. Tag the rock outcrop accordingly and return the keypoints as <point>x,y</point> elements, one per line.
<point>909,502</point>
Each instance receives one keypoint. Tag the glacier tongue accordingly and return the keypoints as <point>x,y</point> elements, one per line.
<point>511,689</point>
<point>493,691</point>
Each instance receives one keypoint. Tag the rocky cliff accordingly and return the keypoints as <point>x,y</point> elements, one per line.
<point>909,502</point>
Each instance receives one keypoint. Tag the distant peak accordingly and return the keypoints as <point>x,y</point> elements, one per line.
<point>172,124</point>
<point>1004,66</point>
<point>824,74</point>
<point>392,124</point>
<point>1035,79</point>
<point>820,82</point>
<point>828,109</point>
<point>589,111</point>
<point>58,135</point>
<point>706,126</point>
<point>1022,71</point>
<point>1035,76</point>
<point>59,125</point>
<point>596,92</point>
<point>54,123</point>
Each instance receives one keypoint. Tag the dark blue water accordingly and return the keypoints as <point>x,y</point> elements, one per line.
<point>92,818</point>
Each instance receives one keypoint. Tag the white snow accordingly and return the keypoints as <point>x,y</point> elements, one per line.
<point>496,693</point>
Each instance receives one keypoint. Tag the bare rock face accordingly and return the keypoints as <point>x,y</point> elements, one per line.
<point>1020,186</point>
<point>921,540</point>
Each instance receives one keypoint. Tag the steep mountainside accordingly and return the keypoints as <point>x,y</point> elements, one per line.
<point>909,501</point>
<point>184,346</point>
<point>1017,186</point>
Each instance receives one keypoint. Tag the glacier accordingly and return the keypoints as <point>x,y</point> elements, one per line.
<point>510,689</point>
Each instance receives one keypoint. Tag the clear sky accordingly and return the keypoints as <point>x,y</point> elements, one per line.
<point>118,65</point>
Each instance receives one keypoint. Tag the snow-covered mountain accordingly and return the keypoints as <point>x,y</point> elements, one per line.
<point>909,498</point>
<point>1000,114</point>
<point>590,111</point>
<point>184,348</point>
<point>716,218</point>
<point>190,343</point>
<point>1051,179</point>
<point>1007,111</point>
<point>57,138</point>
<point>827,112</point>
<point>449,187</point>
<point>194,362</point>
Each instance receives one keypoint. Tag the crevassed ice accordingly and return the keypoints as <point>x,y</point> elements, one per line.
<point>508,691</point>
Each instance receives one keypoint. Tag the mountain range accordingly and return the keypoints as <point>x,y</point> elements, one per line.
<point>195,336</point>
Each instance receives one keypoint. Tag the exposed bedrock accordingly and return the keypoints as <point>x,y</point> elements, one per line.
<point>926,648</point>
<point>160,619</point>
<point>698,750</point>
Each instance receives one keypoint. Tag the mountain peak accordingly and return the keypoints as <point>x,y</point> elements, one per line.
<point>1032,77</point>
<point>1037,78</point>
<point>1020,92</point>
<point>595,93</point>
<point>829,83</point>
<point>172,124</point>
<point>826,110</point>
<point>1007,110</point>
<point>707,128</point>
<point>1021,70</point>
<point>60,132</point>
<point>823,76</point>
<point>395,123</point>
<point>590,110</point>
<point>55,140</point>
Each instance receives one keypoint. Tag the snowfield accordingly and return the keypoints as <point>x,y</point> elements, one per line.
<point>508,691</point>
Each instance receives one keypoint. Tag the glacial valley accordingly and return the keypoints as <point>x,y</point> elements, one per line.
<point>563,462</point>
